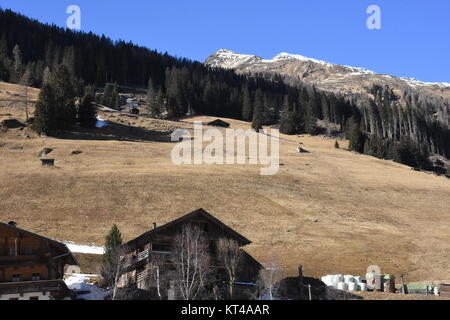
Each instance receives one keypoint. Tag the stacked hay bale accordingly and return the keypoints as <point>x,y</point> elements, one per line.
<point>374,281</point>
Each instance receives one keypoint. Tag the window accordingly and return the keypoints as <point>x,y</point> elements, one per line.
<point>27,251</point>
<point>16,277</point>
<point>12,252</point>
<point>36,277</point>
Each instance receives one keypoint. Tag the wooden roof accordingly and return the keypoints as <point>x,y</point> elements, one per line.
<point>219,123</point>
<point>253,260</point>
<point>243,241</point>
<point>58,245</point>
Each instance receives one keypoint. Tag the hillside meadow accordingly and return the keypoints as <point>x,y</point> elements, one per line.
<point>331,210</point>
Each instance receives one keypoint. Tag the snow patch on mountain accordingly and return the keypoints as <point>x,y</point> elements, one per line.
<point>229,60</point>
<point>417,83</point>
<point>288,56</point>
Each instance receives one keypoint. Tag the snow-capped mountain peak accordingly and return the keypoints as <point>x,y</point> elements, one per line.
<point>316,71</point>
<point>229,59</point>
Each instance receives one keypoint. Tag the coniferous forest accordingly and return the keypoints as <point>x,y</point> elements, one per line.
<point>42,56</point>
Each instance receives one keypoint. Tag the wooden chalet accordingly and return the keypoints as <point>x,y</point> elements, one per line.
<point>32,266</point>
<point>156,245</point>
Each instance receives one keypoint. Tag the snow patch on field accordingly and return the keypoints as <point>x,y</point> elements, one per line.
<point>86,249</point>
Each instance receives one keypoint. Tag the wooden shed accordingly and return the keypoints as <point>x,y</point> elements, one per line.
<point>48,162</point>
<point>219,123</point>
<point>444,290</point>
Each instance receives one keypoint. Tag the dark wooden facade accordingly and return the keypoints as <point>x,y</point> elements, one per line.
<point>142,253</point>
<point>29,261</point>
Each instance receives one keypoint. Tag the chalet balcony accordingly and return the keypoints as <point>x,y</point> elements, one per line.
<point>146,255</point>
<point>22,259</point>
<point>32,286</point>
<point>140,277</point>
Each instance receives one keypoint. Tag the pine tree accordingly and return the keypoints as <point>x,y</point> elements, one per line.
<point>153,103</point>
<point>107,95</point>
<point>17,67</point>
<point>366,148</point>
<point>258,120</point>
<point>111,96</point>
<point>46,75</point>
<point>174,93</point>
<point>65,110</point>
<point>44,111</point>
<point>55,109</point>
<point>69,59</point>
<point>247,107</point>
<point>87,115</point>
<point>110,259</point>
<point>355,136</point>
<point>310,119</point>
<point>286,125</point>
<point>115,97</point>
<point>26,78</point>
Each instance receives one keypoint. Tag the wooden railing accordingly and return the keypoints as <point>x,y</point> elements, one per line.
<point>140,277</point>
<point>143,256</point>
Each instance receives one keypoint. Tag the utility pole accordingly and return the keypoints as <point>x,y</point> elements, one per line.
<point>403,283</point>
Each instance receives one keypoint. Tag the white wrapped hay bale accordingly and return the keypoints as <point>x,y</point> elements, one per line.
<point>362,287</point>
<point>348,278</point>
<point>352,286</point>
<point>338,278</point>
<point>328,280</point>
<point>357,279</point>
<point>342,286</point>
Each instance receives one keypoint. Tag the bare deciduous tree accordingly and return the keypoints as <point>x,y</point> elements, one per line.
<point>159,273</point>
<point>230,255</point>
<point>192,261</point>
<point>270,276</point>
<point>118,270</point>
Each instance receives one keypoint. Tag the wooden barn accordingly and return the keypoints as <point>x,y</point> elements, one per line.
<point>32,266</point>
<point>142,254</point>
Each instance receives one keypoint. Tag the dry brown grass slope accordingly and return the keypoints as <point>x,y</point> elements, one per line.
<point>330,210</point>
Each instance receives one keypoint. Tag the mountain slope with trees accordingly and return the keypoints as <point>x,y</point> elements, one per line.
<point>31,52</point>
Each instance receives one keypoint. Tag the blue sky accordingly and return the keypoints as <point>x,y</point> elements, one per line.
<point>414,40</point>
